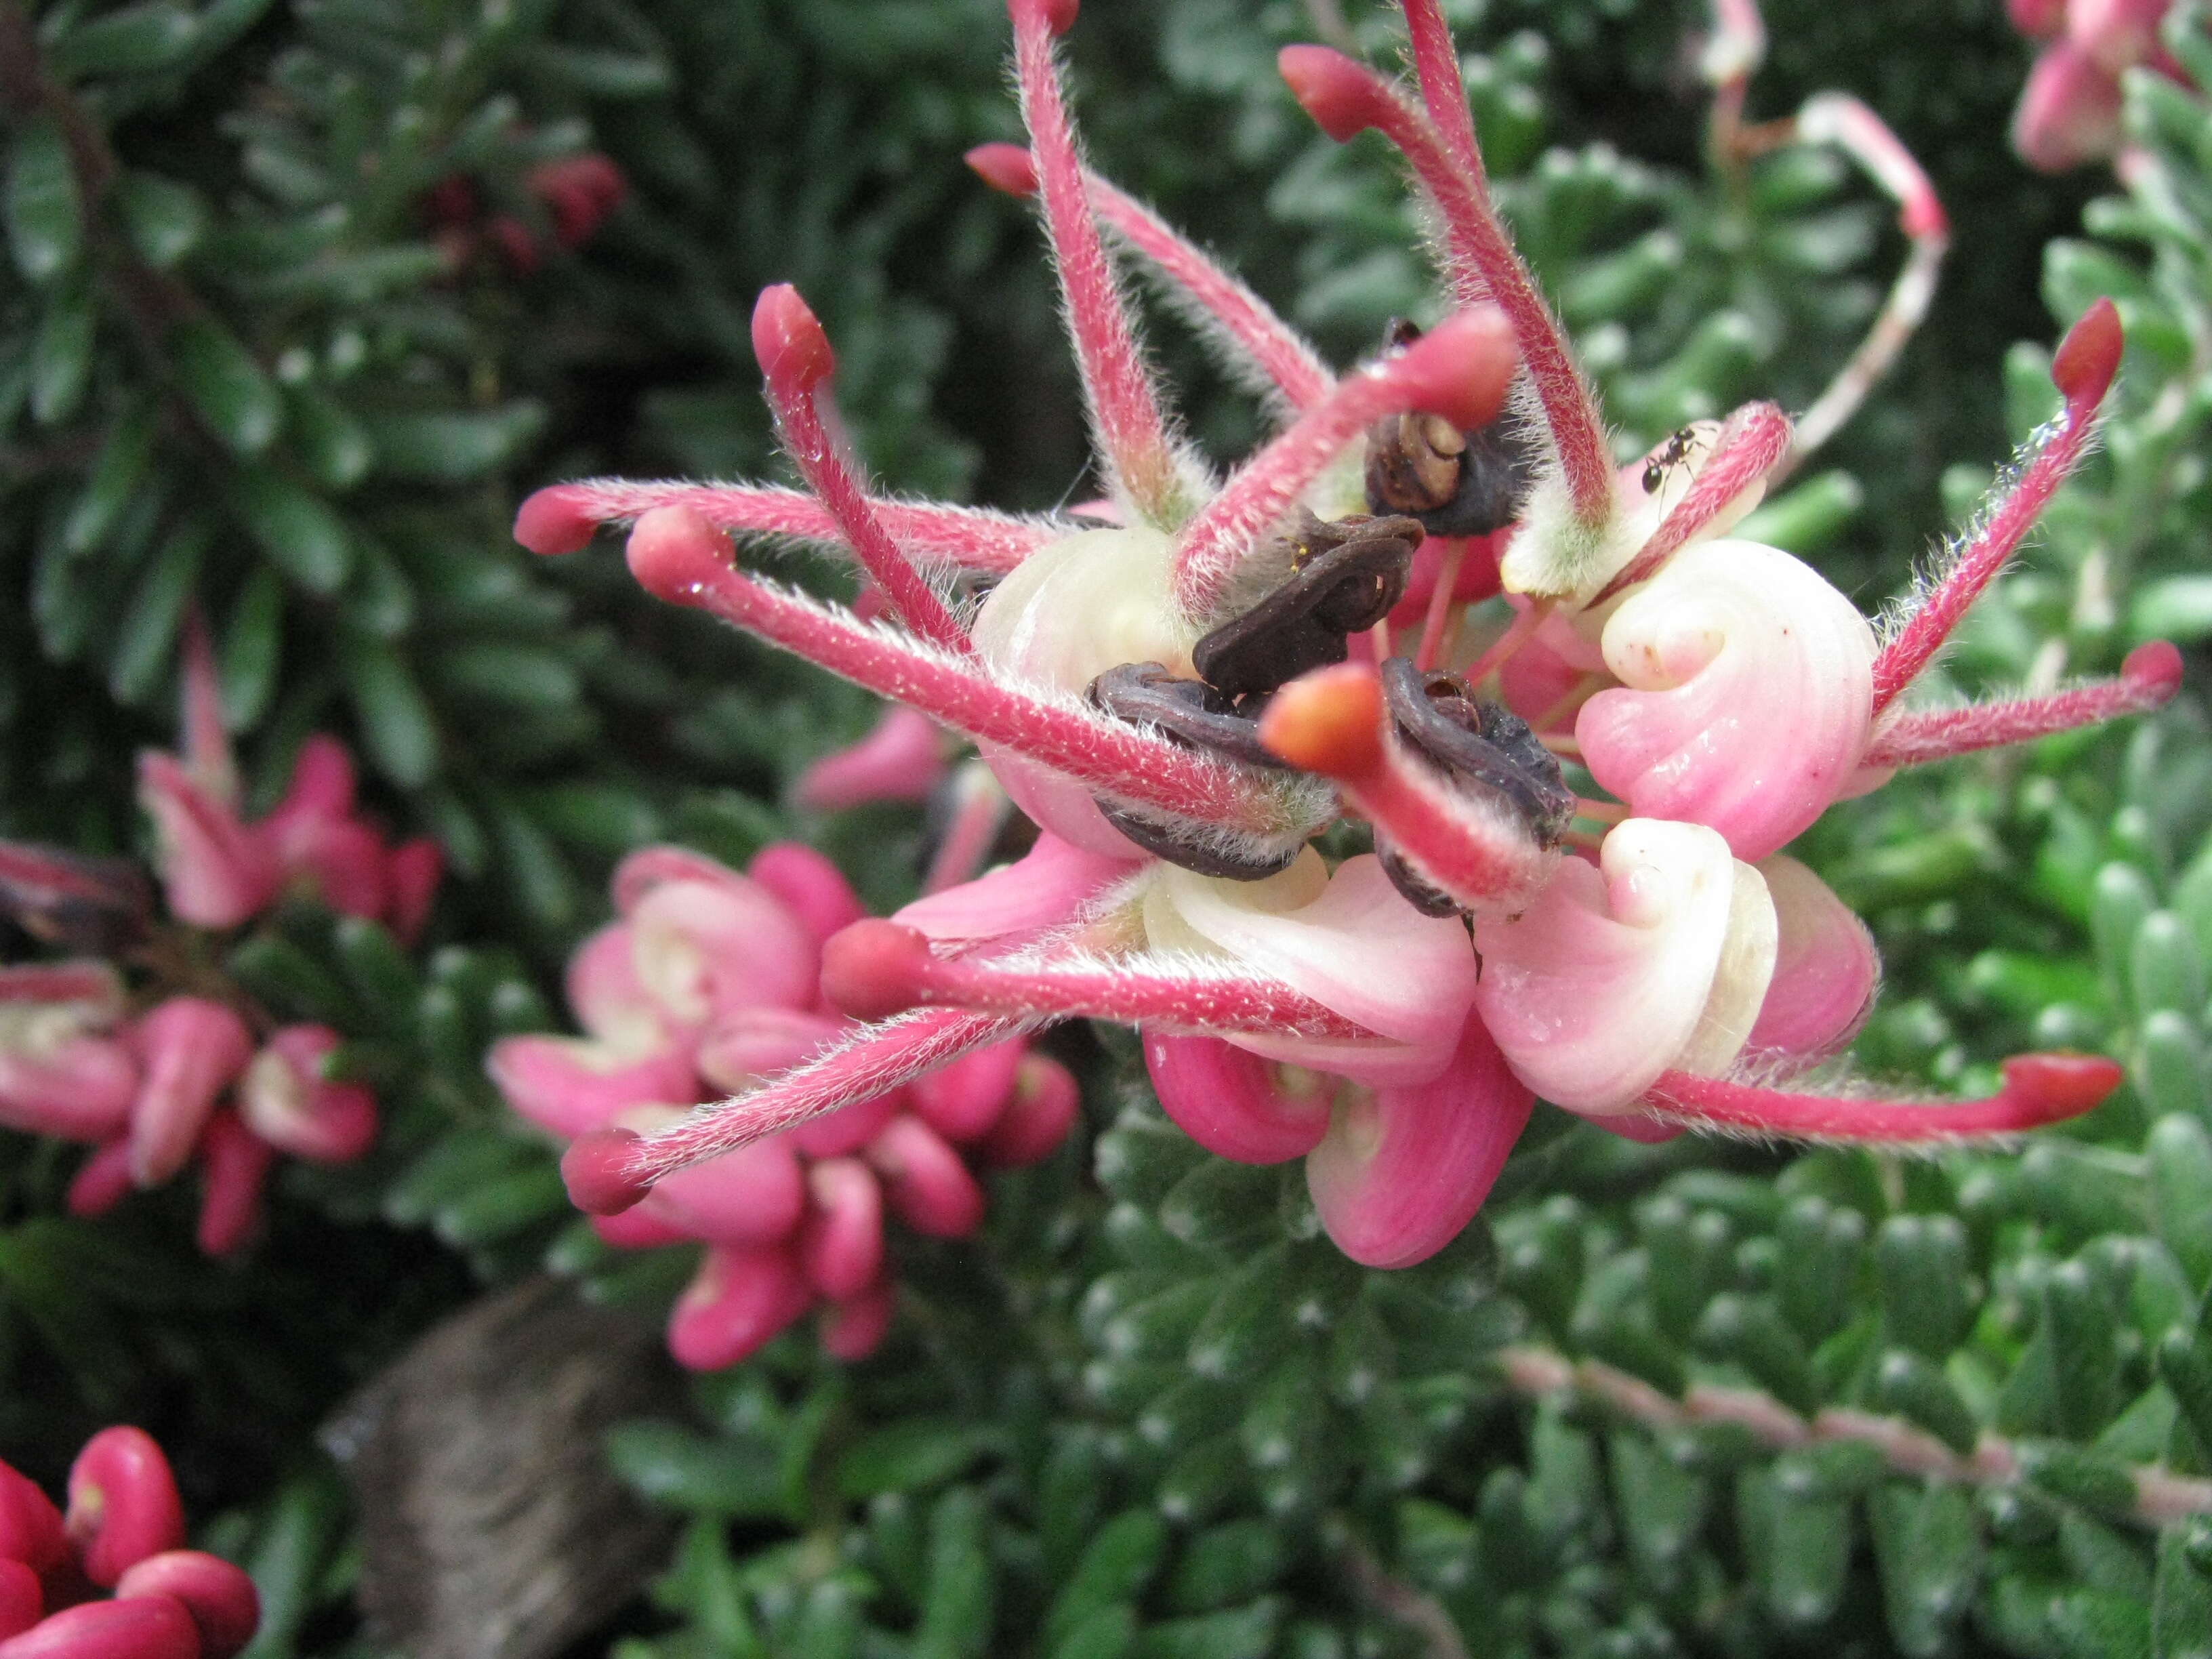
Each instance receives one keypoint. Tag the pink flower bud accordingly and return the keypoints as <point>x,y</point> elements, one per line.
<point>30,1526</point>
<point>220,1598</point>
<point>1403,1170</point>
<point>2117,35</point>
<point>143,1627</point>
<point>193,1048</point>
<point>599,1173</point>
<point>285,1099</point>
<point>570,1085</point>
<point>234,1165</point>
<point>1656,958</point>
<point>929,1187</point>
<point>1826,969</point>
<point>1044,1108</point>
<point>1329,87</point>
<point>740,1300</point>
<point>410,879</point>
<point>755,1195</point>
<point>855,1327</point>
<point>2068,111</point>
<point>964,1100</point>
<point>123,1503</point>
<point>1232,1102</point>
<point>841,1242</point>
<point>22,1602</point>
<point>1007,167</point>
<point>788,340</point>
<point>102,1181</point>
<point>608,998</point>
<point>708,940</point>
<point>215,872</point>
<point>812,887</point>
<point>1748,695</point>
<point>901,759</point>
<point>558,519</point>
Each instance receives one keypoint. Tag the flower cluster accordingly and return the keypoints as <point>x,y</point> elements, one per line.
<point>577,191</point>
<point>123,1534</point>
<point>708,981</point>
<point>157,1081</point>
<point>1577,793</point>
<point>2070,110</point>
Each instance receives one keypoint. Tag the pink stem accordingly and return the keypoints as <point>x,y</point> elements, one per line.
<point>2148,680</point>
<point>1331,722</point>
<point>1507,646</point>
<point>1132,430</point>
<point>979,813</point>
<point>1440,602</point>
<point>794,353</point>
<point>562,518</point>
<point>2038,1089</point>
<point>2083,369</point>
<point>1461,369</point>
<point>875,969</point>
<point>1754,438</point>
<point>608,1170</point>
<point>676,555</point>
<point>1346,98</point>
<point>1273,347</point>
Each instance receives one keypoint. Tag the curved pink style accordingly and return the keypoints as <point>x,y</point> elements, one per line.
<point>927,1186</point>
<point>193,1048</point>
<point>1747,695</point>
<point>234,1165</point>
<point>1231,1101</point>
<point>1403,1170</point>
<point>902,758</point>
<point>842,1241</point>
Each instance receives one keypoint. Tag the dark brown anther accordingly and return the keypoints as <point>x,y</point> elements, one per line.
<point>1189,711</point>
<point>1479,742</point>
<point>1345,577</point>
<point>1429,901</point>
<point>1455,483</point>
<point>1197,716</point>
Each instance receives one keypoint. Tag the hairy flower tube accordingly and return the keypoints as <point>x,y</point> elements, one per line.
<point>1183,698</point>
<point>109,1577</point>
<point>709,980</point>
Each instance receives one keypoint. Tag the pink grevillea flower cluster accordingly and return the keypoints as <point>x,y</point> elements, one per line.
<point>217,870</point>
<point>577,193</point>
<point>2070,110</point>
<point>157,1082</point>
<point>1184,695</point>
<point>110,1578</point>
<point>708,981</point>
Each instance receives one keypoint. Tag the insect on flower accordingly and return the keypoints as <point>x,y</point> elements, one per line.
<point>1182,698</point>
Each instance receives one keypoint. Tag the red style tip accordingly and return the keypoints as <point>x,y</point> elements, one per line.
<point>123,1503</point>
<point>1335,91</point>
<point>1924,216</point>
<point>220,1597</point>
<point>2154,668</point>
<point>1058,16</point>
<point>674,552</point>
<point>597,1170</point>
<point>2052,1088</point>
<point>788,340</point>
<point>1007,167</point>
<point>2089,356</point>
<point>871,969</point>
<point>1462,368</point>
<point>555,520</point>
<point>1330,721</point>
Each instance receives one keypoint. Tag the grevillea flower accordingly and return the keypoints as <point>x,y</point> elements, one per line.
<point>2070,110</point>
<point>708,981</point>
<point>1183,697</point>
<point>122,1533</point>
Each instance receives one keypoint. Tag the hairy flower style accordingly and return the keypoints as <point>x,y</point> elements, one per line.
<point>1181,698</point>
<point>109,1577</point>
<point>707,981</point>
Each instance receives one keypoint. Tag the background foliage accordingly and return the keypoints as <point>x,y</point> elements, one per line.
<point>243,365</point>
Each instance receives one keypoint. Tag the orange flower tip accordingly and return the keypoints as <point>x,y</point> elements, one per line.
<point>871,969</point>
<point>2089,356</point>
<point>2154,667</point>
<point>1332,89</point>
<point>788,340</point>
<point>556,520</point>
<point>1462,368</point>
<point>1007,167</point>
<point>599,1168</point>
<point>673,551</point>
<point>2053,1087</point>
<point>1058,16</point>
<point>1330,721</point>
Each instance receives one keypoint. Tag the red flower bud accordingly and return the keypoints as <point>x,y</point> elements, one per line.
<point>123,1503</point>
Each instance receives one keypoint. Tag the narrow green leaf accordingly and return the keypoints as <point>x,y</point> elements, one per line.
<point>253,645</point>
<point>294,527</point>
<point>226,387</point>
<point>165,219</point>
<point>45,219</point>
<point>398,726</point>
<point>142,643</point>
<point>129,40</point>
